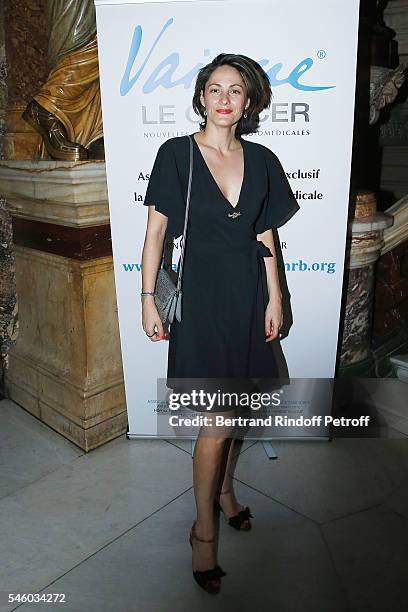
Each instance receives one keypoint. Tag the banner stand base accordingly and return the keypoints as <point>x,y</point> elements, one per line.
<point>268,448</point>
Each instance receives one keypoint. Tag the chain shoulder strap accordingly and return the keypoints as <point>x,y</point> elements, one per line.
<point>190,176</point>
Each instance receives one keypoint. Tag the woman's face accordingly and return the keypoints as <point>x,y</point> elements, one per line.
<point>224,97</point>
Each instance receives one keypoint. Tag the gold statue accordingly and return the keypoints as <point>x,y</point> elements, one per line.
<point>67,110</point>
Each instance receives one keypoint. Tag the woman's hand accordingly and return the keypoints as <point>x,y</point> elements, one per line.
<point>151,321</point>
<point>273,318</point>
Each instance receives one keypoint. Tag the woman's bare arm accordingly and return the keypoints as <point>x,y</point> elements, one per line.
<point>273,313</point>
<point>271,265</point>
<point>151,258</point>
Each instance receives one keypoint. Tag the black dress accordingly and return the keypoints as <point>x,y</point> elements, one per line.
<point>221,335</point>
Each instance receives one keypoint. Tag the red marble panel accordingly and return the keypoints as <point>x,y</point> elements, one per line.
<point>78,243</point>
<point>391,290</point>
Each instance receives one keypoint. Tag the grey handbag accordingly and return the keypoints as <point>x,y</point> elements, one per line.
<point>167,295</point>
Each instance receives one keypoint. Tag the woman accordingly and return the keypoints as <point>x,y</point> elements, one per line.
<point>231,296</point>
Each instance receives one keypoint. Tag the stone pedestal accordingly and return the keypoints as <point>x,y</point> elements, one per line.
<point>364,245</point>
<point>66,367</point>
<point>400,363</point>
<point>390,329</point>
<point>21,141</point>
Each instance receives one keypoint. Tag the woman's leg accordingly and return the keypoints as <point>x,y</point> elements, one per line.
<point>227,499</point>
<point>209,462</point>
<point>225,491</point>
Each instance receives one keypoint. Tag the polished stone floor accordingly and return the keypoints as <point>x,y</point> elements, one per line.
<point>109,529</point>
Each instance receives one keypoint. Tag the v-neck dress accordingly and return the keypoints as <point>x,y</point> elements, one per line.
<point>221,336</point>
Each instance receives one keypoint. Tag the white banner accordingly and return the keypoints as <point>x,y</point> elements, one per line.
<point>149,55</point>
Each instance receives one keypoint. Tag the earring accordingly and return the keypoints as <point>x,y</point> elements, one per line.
<point>205,113</point>
<point>245,115</point>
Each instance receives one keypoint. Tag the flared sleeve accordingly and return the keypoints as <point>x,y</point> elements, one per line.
<point>280,203</point>
<point>165,189</point>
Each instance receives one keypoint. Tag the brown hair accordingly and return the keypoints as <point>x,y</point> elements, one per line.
<point>257,85</point>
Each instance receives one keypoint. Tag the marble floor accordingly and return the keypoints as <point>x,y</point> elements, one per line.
<point>109,529</point>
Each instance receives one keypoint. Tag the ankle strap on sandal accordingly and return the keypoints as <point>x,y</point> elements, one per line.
<point>195,536</point>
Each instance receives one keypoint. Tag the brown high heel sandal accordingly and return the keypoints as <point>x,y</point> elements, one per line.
<point>209,580</point>
<point>240,521</point>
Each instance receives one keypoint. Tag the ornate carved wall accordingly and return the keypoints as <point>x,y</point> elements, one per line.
<point>3,82</point>
<point>26,48</point>
<point>390,330</point>
<point>394,129</point>
<point>26,42</point>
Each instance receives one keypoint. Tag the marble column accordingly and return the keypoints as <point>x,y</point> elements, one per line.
<point>365,240</point>
<point>66,366</point>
